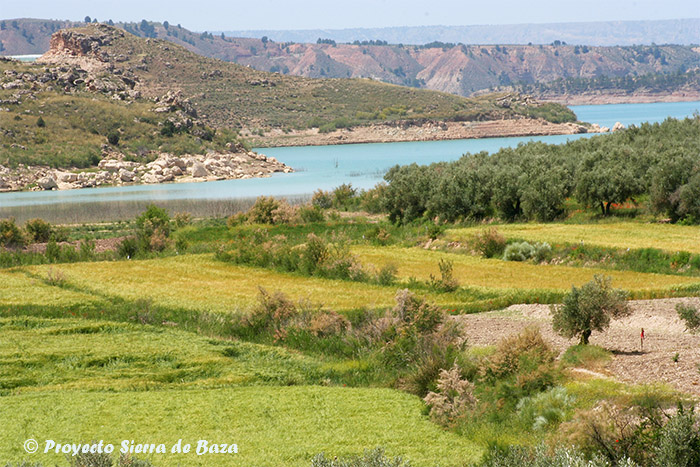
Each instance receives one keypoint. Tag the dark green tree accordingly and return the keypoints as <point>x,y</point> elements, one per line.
<point>589,308</point>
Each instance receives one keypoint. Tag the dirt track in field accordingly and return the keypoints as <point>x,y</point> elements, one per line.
<point>665,335</point>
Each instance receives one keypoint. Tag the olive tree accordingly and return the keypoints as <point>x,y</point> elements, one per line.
<point>589,308</point>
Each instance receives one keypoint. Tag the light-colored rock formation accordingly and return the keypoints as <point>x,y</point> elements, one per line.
<point>166,168</point>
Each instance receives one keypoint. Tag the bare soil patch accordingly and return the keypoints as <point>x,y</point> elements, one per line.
<point>665,336</point>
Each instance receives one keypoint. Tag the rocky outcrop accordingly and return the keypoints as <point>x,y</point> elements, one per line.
<point>114,170</point>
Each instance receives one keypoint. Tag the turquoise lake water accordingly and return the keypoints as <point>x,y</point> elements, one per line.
<point>362,165</point>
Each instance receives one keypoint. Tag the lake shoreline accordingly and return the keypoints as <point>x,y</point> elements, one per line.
<point>406,131</point>
<point>623,98</point>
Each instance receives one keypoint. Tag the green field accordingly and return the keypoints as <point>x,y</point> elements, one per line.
<point>497,274</point>
<point>73,380</point>
<point>156,349</point>
<point>617,234</point>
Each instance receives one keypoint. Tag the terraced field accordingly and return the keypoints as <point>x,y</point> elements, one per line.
<point>617,234</point>
<point>79,382</point>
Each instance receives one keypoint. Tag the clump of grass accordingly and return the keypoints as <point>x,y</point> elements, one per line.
<point>586,356</point>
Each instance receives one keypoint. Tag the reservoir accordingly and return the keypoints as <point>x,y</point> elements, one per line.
<point>325,167</point>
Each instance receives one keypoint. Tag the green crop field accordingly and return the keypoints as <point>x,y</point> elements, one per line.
<point>184,346</point>
<point>669,237</point>
<point>498,274</point>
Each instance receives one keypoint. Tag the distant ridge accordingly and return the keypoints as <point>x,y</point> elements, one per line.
<point>675,31</point>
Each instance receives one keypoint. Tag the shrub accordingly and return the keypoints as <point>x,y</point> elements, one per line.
<point>374,458</point>
<point>343,196</point>
<point>273,313</point>
<point>153,229</point>
<point>40,122</point>
<point>523,251</point>
<point>262,211</point>
<point>128,248</point>
<point>10,234</point>
<point>38,230</point>
<point>679,441</point>
<point>490,242</point>
<point>182,219</point>
<point>446,282</point>
<point>454,397</point>
<point>386,274</point>
<point>113,137</point>
<point>311,213</point>
<point>322,199</point>
<point>689,315</point>
<point>589,308</point>
<point>284,213</point>
<point>415,312</point>
<point>541,456</point>
<point>328,323</point>
<point>519,353</point>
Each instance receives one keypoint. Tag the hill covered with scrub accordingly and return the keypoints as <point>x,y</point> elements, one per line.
<point>101,94</point>
<point>233,95</point>
<point>577,72</point>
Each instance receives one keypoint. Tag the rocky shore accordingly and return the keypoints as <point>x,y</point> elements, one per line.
<point>114,170</point>
<point>393,132</point>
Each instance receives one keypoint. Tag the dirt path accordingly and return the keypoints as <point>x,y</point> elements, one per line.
<point>665,336</point>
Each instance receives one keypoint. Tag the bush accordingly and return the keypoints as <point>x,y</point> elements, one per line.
<point>523,251</point>
<point>446,282</point>
<point>38,230</point>
<point>490,243</point>
<point>343,196</point>
<point>454,397</point>
<point>113,137</point>
<point>374,458</point>
<point>153,229</point>
<point>519,353</point>
<point>128,248</point>
<point>10,234</point>
<point>311,213</point>
<point>40,122</point>
<point>679,441</point>
<point>322,199</point>
<point>589,308</point>
<point>386,274</point>
<point>541,457</point>
<point>182,219</point>
<point>262,211</point>
<point>689,315</point>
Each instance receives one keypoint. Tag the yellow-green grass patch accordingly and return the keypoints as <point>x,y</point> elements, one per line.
<point>18,289</point>
<point>632,235</point>
<point>272,426</point>
<point>199,282</point>
<point>496,274</point>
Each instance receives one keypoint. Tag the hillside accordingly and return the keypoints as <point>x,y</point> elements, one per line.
<point>576,73</point>
<point>226,94</point>
<point>66,127</point>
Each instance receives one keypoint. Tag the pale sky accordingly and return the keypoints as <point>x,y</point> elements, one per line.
<point>217,15</point>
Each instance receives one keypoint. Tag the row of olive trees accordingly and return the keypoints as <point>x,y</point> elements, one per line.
<point>658,162</point>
